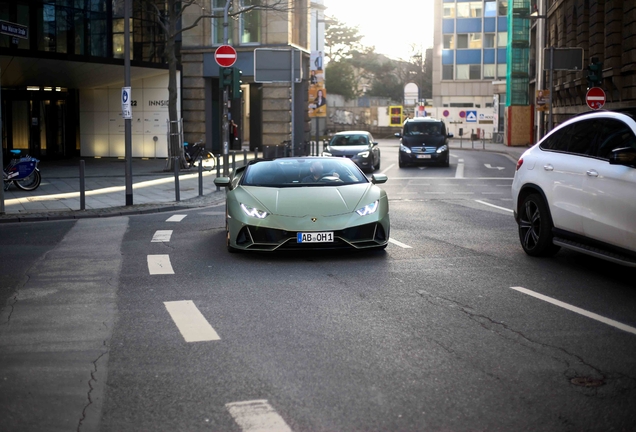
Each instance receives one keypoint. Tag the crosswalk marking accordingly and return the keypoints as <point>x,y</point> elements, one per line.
<point>161,236</point>
<point>257,416</point>
<point>175,218</point>
<point>190,321</point>
<point>459,173</point>
<point>159,264</point>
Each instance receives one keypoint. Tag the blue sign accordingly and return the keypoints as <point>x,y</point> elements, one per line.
<point>471,116</point>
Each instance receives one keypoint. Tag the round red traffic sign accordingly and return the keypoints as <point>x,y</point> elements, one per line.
<point>595,98</point>
<point>225,55</point>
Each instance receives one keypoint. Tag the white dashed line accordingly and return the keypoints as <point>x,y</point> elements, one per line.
<point>400,244</point>
<point>175,218</point>
<point>460,169</point>
<point>190,322</point>
<point>257,416</point>
<point>577,310</point>
<point>161,236</point>
<point>495,206</point>
<point>159,264</point>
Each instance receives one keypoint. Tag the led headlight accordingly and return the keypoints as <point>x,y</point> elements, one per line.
<point>368,209</point>
<point>404,148</point>
<point>442,149</point>
<point>254,212</point>
<point>364,154</point>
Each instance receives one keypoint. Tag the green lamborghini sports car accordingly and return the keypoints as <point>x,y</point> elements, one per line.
<point>299,203</point>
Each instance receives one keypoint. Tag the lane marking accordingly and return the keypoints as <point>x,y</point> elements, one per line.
<point>463,193</point>
<point>159,264</point>
<point>455,178</point>
<point>161,236</point>
<point>400,244</point>
<point>387,168</point>
<point>492,193</point>
<point>575,309</point>
<point>176,218</point>
<point>257,416</point>
<point>495,206</point>
<point>190,321</point>
<point>460,169</point>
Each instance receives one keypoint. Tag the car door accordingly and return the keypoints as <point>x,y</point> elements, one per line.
<point>610,190</point>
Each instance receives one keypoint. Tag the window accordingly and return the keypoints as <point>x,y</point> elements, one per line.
<point>490,9</point>
<point>462,41</point>
<point>250,23</point>
<point>474,40</point>
<point>449,41</point>
<point>447,72</point>
<point>503,7</point>
<point>449,10</point>
<point>475,9</point>
<point>614,135</point>
<point>463,72</point>
<point>463,10</point>
<point>217,35</point>
<point>475,72</point>
<point>583,136</point>
<point>489,40</point>
<point>501,70</point>
<point>502,39</point>
<point>555,142</point>
<point>489,71</point>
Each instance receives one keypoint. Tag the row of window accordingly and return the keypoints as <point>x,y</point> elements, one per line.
<point>475,9</point>
<point>249,24</point>
<point>474,72</point>
<point>475,40</point>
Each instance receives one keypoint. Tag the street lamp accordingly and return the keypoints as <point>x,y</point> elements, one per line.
<point>541,15</point>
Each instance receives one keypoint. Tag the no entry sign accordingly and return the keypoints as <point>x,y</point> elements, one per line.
<point>225,55</point>
<point>595,98</point>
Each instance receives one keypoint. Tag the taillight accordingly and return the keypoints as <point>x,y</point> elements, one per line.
<point>519,163</point>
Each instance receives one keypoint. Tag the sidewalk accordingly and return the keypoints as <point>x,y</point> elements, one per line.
<point>58,196</point>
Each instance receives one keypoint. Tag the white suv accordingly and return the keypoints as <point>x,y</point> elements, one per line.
<point>576,189</point>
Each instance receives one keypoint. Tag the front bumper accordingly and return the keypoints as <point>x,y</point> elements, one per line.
<point>423,156</point>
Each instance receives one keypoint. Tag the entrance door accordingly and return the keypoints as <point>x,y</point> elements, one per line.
<point>52,135</point>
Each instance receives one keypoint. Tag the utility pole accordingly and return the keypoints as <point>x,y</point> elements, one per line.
<point>127,121</point>
<point>226,123</point>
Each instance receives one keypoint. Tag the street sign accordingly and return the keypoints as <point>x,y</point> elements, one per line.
<point>471,116</point>
<point>126,111</point>
<point>564,58</point>
<point>275,65</point>
<point>225,55</point>
<point>595,98</point>
<point>14,29</point>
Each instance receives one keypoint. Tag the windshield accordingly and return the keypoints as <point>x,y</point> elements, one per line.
<point>302,172</point>
<point>422,128</point>
<point>349,140</point>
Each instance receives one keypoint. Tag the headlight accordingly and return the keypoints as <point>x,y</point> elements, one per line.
<point>254,212</point>
<point>364,154</point>
<point>368,209</point>
<point>442,149</point>
<point>404,148</point>
<point>326,153</point>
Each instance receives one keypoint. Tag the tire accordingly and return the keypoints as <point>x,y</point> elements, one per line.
<point>446,163</point>
<point>400,163</point>
<point>210,160</point>
<point>31,182</point>
<point>377,167</point>
<point>230,249</point>
<point>535,227</point>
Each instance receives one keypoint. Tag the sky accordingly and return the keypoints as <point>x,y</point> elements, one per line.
<point>392,26</point>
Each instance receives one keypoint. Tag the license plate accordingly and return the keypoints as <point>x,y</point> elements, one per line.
<point>423,156</point>
<point>315,237</point>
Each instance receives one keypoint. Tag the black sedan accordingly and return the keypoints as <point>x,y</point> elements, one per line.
<point>359,146</point>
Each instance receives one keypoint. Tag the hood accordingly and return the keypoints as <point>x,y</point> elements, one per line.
<point>421,140</point>
<point>347,149</point>
<point>310,200</point>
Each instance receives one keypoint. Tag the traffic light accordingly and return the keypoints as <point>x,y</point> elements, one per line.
<point>225,77</point>
<point>236,82</point>
<point>594,73</point>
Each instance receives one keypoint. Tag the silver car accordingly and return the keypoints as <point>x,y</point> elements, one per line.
<point>359,146</point>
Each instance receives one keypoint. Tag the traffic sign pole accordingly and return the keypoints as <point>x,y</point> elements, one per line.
<point>225,56</point>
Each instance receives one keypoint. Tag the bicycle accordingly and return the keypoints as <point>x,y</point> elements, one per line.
<point>22,172</point>
<point>192,155</point>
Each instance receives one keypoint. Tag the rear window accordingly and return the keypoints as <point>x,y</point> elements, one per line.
<point>423,128</point>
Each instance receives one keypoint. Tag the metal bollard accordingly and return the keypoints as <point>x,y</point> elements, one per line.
<point>226,168</point>
<point>233,161</point>
<point>176,179</point>
<point>256,153</point>
<point>218,170</point>
<point>82,186</point>
<point>244,157</point>
<point>200,176</point>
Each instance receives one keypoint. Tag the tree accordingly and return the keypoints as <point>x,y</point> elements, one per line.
<point>168,14</point>
<point>340,79</point>
<point>341,40</point>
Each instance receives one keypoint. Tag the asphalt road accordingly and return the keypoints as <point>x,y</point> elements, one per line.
<point>446,330</point>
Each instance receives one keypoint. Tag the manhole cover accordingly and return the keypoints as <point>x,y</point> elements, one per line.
<point>587,382</point>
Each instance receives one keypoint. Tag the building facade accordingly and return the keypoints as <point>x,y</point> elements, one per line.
<point>62,72</point>
<point>266,111</point>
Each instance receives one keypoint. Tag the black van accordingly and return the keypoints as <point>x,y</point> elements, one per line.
<point>424,140</point>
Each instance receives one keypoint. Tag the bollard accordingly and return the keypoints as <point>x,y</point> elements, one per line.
<point>244,157</point>
<point>226,168</point>
<point>200,175</point>
<point>233,161</point>
<point>256,153</point>
<point>176,179</point>
<point>82,187</point>
<point>218,170</point>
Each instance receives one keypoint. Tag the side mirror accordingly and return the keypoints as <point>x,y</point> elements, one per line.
<point>379,178</point>
<point>397,135</point>
<point>375,143</point>
<point>222,181</point>
<point>623,156</point>
<point>450,135</point>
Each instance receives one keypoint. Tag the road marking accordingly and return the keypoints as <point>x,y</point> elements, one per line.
<point>456,178</point>
<point>433,193</point>
<point>495,206</point>
<point>453,156</point>
<point>176,218</point>
<point>575,309</point>
<point>493,167</point>
<point>463,193</point>
<point>387,168</point>
<point>159,264</point>
<point>161,236</point>
<point>492,193</point>
<point>460,169</point>
<point>400,244</point>
<point>257,416</point>
<point>190,321</point>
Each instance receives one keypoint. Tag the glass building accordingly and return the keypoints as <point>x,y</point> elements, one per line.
<point>61,61</point>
